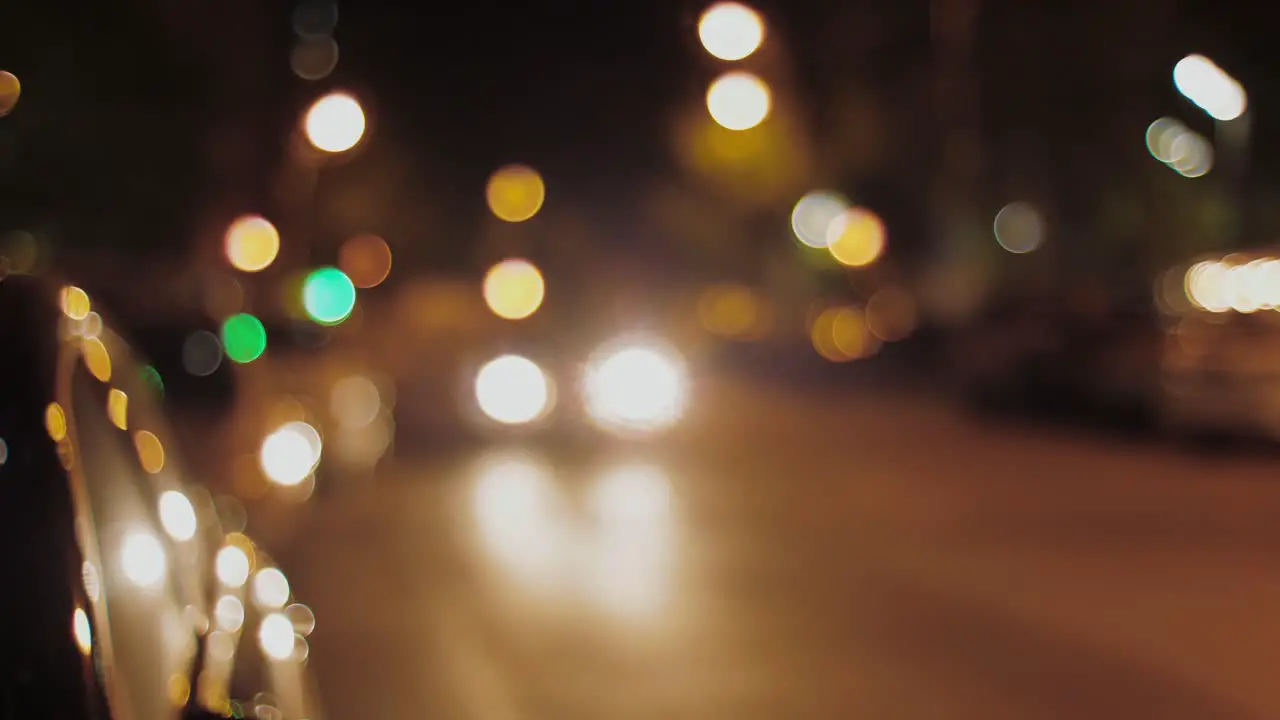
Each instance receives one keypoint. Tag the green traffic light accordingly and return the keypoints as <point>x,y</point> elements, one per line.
<point>328,295</point>
<point>244,338</point>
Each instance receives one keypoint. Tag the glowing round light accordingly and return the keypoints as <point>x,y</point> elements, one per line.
<point>355,402</point>
<point>1019,228</point>
<point>366,259</point>
<point>96,358</point>
<point>142,559</point>
<point>251,243</point>
<point>232,566</point>
<point>75,302</point>
<point>150,451</point>
<point>81,631</point>
<point>177,516</point>
<point>514,289</point>
<point>1202,82</point>
<point>636,387</point>
<point>335,122</point>
<point>738,100</point>
<point>813,215</point>
<point>228,613</point>
<point>291,453</point>
<point>10,90</point>
<point>730,31</point>
<point>117,409</point>
<point>515,193</point>
<point>276,637</point>
<point>328,295</point>
<point>512,390</point>
<point>244,338</point>
<point>856,238</point>
<point>55,422</point>
<point>270,588</point>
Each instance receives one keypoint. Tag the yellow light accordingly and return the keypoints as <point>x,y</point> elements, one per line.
<point>251,243</point>
<point>75,302</point>
<point>730,31</point>
<point>515,193</point>
<point>335,123</point>
<point>96,358</point>
<point>10,90</point>
<point>150,451</point>
<point>738,100</point>
<point>118,408</point>
<point>856,238</point>
<point>55,421</point>
<point>514,289</point>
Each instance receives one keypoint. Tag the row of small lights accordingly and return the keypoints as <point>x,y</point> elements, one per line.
<point>143,558</point>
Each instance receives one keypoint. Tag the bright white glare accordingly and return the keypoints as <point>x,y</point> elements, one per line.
<point>636,387</point>
<point>177,516</point>
<point>730,31</point>
<point>1209,87</point>
<point>228,613</point>
<point>517,511</point>
<point>143,559</point>
<point>270,588</point>
<point>633,550</point>
<point>335,123</point>
<point>813,215</point>
<point>291,453</point>
<point>82,631</point>
<point>512,390</point>
<point>232,566</point>
<point>275,636</point>
<point>738,100</point>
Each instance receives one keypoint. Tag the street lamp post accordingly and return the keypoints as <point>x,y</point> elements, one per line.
<point>1223,98</point>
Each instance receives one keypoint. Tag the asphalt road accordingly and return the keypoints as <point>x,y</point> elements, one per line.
<point>799,554</point>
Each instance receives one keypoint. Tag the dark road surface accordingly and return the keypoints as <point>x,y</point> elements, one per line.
<point>800,555</point>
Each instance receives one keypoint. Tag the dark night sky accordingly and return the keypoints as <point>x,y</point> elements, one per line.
<point>584,90</point>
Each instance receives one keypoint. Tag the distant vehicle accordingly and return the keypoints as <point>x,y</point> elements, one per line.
<point>1058,356</point>
<point>1220,363</point>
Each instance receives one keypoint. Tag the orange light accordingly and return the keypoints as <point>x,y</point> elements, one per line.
<point>366,259</point>
<point>251,243</point>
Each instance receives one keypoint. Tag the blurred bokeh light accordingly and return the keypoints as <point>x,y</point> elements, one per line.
<point>290,453</point>
<point>143,559</point>
<point>251,243</point>
<point>734,311</point>
<point>1202,82</point>
<point>244,338</point>
<point>841,334</point>
<point>201,353</point>
<point>730,31</point>
<point>366,259</point>
<point>313,58</point>
<point>635,387</point>
<point>335,123</point>
<point>856,237</point>
<point>514,289</point>
<point>738,100</point>
<point>10,89</point>
<point>1019,228</point>
<point>512,390</point>
<point>328,296</point>
<point>892,314</point>
<point>515,193</point>
<point>813,215</point>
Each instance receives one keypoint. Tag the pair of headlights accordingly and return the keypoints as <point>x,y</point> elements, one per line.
<point>626,387</point>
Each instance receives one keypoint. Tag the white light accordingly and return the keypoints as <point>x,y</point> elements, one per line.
<point>335,123</point>
<point>636,387</point>
<point>83,633</point>
<point>270,588</point>
<point>232,566</point>
<point>275,636</point>
<point>519,518</point>
<point>730,31</point>
<point>1209,87</point>
<point>291,453</point>
<point>177,516</point>
<point>228,613</point>
<point>143,559</point>
<point>738,100</point>
<point>512,390</point>
<point>813,215</point>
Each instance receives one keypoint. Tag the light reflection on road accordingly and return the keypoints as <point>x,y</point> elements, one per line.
<point>614,550</point>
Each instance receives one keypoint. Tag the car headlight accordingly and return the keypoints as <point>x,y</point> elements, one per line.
<point>513,390</point>
<point>635,387</point>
